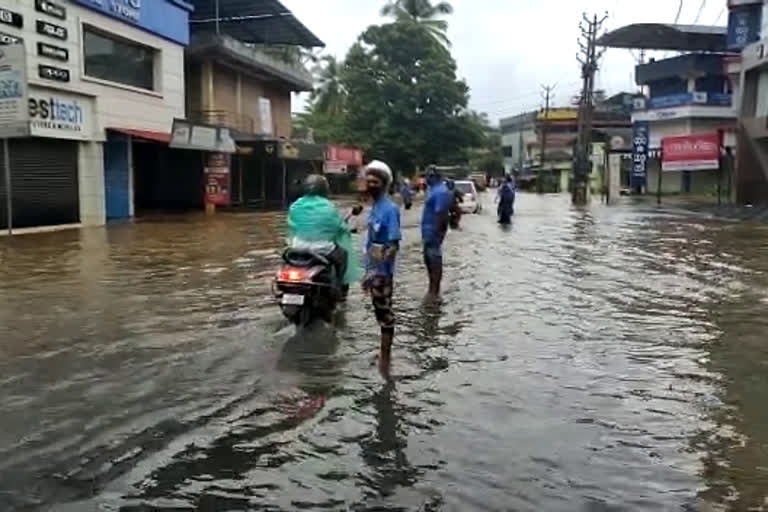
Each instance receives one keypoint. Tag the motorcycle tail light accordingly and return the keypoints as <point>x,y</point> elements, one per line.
<point>293,275</point>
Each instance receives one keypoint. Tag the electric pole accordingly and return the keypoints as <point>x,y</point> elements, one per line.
<point>588,57</point>
<point>546,94</point>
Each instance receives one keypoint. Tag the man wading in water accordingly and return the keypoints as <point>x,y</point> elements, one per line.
<point>381,251</point>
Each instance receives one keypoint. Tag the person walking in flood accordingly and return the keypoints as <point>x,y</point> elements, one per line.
<point>382,246</point>
<point>506,198</point>
<point>434,225</point>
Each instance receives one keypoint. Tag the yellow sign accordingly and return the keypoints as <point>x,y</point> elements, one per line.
<point>560,114</point>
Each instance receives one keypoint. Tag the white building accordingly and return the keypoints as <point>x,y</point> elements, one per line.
<point>94,68</point>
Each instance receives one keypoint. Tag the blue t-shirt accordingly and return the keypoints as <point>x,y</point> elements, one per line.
<point>383,231</point>
<point>438,204</point>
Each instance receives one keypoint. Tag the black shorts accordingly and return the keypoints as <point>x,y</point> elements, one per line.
<point>381,295</point>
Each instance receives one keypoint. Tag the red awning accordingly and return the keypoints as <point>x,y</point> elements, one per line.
<point>145,134</point>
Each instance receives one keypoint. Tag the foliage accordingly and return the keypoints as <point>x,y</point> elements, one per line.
<point>397,96</point>
<point>329,96</point>
<point>405,104</point>
<point>422,13</point>
<point>487,157</point>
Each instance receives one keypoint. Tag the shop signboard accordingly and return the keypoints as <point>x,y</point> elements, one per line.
<point>60,115</point>
<point>265,116</point>
<point>200,137</point>
<point>218,179</point>
<point>691,152</point>
<point>352,157</point>
<point>165,18</point>
<point>335,168</point>
<point>744,25</point>
<point>640,136</point>
<point>14,114</point>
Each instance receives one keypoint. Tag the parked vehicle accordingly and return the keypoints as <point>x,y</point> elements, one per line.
<point>471,203</point>
<point>307,287</point>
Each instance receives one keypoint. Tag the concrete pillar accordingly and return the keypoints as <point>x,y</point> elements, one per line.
<point>91,182</point>
<point>207,95</point>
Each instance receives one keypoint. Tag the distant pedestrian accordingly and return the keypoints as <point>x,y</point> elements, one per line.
<point>434,226</point>
<point>407,194</point>
<point>382,247</point>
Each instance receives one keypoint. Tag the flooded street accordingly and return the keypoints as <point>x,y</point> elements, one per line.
<point>600,359</point>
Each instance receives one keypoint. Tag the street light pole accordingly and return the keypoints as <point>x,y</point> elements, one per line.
<point>547,95</point>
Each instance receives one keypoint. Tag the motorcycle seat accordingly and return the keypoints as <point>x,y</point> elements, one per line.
<point>304,258</point>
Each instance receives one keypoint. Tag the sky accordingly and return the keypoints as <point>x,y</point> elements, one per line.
<point>506,49</point>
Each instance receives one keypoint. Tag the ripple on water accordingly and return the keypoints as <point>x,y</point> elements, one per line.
<point>599,359</point>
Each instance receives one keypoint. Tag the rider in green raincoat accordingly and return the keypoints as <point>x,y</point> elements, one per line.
<point>315,224</point>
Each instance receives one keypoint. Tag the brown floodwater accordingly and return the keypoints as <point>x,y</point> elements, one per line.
<point>602,359</point>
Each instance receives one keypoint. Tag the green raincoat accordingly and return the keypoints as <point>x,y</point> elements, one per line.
<point>316,219</point>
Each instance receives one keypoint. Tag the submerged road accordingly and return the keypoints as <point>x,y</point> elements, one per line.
<point>601,360</point>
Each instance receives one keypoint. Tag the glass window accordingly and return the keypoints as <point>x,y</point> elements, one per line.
<point>117,60</point>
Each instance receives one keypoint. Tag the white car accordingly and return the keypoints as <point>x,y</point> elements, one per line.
<point>471,203</point>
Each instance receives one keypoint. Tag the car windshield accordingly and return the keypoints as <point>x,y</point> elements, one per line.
<point>464,187</point>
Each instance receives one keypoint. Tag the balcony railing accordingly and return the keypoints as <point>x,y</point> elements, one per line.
<point>707,99</point>
<point>225,118</point>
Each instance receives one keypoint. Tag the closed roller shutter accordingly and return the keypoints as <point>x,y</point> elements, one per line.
<point>3,195</point>
<point>44,184</point>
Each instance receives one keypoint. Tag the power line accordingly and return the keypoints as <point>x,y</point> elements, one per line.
<point>722,11</point>
<point>679,11</point>
<point>701,9</point>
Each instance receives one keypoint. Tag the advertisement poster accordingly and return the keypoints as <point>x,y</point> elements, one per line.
<point>14,111</point>
<point>640,141</point>
<point>691,152</point>
<point>218,179</point>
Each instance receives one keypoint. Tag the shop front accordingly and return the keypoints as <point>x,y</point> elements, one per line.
<point>105,81</point>
<point>47,175</point>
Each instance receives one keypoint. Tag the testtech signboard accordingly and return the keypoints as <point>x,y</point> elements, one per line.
<point>691,152</point>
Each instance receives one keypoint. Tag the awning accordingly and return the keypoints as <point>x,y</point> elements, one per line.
<point>662,36</point>
<point>145,134</point>
<point>251,21</point>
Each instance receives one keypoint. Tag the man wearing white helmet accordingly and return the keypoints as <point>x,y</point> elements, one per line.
<point>381,251</point>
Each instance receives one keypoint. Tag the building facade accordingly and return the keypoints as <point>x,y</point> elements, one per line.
<point>686,95</point>
<point>97,71</point>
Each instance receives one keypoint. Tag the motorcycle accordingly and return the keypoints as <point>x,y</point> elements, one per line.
<point>307,287</point>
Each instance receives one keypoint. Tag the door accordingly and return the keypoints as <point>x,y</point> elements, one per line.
<point>117,169</point>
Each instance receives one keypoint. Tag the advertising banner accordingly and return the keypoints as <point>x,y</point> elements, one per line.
<point>14,92</point>
<point>640,139</point>
<point>691,152</point>
<point>218,179</point>
<point>744,24</point>
<point>352,157</point>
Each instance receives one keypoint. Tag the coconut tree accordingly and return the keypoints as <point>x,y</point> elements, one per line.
<point>329,96</point>
<point>423,13</point>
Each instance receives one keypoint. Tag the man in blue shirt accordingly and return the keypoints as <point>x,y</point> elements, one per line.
<point>381,251</point>
<point>434,225</point>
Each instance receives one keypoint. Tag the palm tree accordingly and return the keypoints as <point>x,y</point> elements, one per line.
<point>423,13</point>
<point>329,97</point>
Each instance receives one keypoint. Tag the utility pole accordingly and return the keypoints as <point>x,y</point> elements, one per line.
<point>588,58</point>
<point>546,94</point>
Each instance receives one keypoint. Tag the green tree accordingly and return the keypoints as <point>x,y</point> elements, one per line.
<point>422,13</point>
<point>329,96</point>
<point>404,102</point>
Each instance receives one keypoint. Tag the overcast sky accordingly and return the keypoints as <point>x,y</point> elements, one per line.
<point>506,48</point>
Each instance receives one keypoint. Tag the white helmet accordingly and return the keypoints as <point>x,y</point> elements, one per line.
<point>381,170</point>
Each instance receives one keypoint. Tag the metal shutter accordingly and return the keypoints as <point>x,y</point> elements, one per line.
<point>44,182</point>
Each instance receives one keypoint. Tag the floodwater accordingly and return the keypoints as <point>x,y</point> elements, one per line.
<point>583,360</point>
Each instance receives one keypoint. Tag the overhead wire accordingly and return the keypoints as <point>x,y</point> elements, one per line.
<point>701,10</point>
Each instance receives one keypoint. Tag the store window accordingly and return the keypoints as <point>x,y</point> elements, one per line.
<point>111,58</point>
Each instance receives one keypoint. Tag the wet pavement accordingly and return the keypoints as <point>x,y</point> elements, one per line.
<point>600,360</point>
